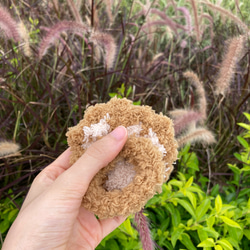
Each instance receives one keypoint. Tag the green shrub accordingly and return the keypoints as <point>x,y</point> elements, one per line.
<point>186,216</point>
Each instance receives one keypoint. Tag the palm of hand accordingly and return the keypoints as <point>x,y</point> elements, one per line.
<point>52,216</point>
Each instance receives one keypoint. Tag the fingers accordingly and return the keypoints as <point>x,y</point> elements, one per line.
<point>73,183</point>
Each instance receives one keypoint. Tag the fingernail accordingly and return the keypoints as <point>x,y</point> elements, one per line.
<point>119,133</point>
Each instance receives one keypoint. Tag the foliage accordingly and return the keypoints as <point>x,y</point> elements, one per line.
<point>184,216</point>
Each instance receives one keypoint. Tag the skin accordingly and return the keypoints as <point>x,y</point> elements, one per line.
<point>51,216</point>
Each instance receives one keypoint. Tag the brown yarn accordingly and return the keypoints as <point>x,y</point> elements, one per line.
<point>150,166</point>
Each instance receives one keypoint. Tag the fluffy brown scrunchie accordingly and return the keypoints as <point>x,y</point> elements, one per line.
<point>137,173</point>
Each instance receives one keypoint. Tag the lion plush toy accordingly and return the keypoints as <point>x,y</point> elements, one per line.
<point>125,185</point>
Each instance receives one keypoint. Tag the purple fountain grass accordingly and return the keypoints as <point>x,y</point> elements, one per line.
<point>227,69</point>
<point>227,14</point>
<point>201,105</point>
<point>74,11</point>
<point>108,5</point>
<point>211,23</point>
<point>196,20</point>
<point>107,42</point>
<point>9,25</point>
<point>166,21</point>
<point>144,231</point>
<point>55,31</point>
<point>182,122</point>
<point>194,135</point>
<point>188,18</point>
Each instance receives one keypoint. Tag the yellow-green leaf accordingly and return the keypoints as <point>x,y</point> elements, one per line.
<point>209,242</point>
<point>230,222</point>
<point>225,244</point>
<point>128,227</point>
<point>218,247</point>
<point>218,203</point>
<point>191,196</point>
<point>189,182</point>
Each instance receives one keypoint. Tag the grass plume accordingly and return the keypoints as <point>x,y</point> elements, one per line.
<point>143,229</point>
<point>8,25</point>
<point>8,148</point>
<point>226,73</point>
<point>196,20</point>
<point>197,135</point>
<point>188,18</point>
<point>107,42</point>
<point>74,11</point>
<point>25,38</point>
<point>227,14</point>
<point>56,30</point>
<point>201,105</point>
<point>182,122</point>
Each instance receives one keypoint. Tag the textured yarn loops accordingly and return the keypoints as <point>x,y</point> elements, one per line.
<point>125,185</point>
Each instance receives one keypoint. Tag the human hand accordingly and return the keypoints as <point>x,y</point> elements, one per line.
<point>52,216</point>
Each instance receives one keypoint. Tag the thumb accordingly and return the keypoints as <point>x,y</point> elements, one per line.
<point>74,181</point>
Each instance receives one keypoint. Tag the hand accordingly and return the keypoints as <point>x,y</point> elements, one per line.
<point>52,216</point>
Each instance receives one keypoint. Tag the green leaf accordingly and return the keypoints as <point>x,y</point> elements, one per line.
<point>218,204</point>
<point>234,168</point>
<point>176,235</point>
<point>237,156</point>
<point>187,206</point>
<point>244,125</point>
<point>137,103</point>
<point>112,244</point>
<point>129,91</point>
<point>174,182</point>
<point>210,221</point>
<point>128,227</point>
<point>218,247</point>
<point>230,222</point>
<point>189,182</point>
<point>247,233</point>
<point>175,214</point>
<point>215,190</point>
<point>12,215</point>
<point>212,232</point>
<point>191,196</point>
<point>181,176</point>
<point>225,244</point>
<point>195,190</point>
<point>202,234</point>
<point>209,242</point>
<point>247,116</point>
<point>4,226</point>
<point>233,242</point>
<point>202,209</point>
<point>186,241</point>
<point>235,233</point>
<point>243,142</point>
<point>112,95</point>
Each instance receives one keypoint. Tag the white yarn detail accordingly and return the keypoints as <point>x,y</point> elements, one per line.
<point>155,140</point>
<point>95,130</point>
<point>102,128</point>
<point>135,129</point>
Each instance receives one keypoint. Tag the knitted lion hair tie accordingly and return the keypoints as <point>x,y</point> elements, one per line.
<point>125,185</point>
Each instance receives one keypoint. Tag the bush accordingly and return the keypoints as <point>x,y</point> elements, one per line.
<point>186,216</point>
